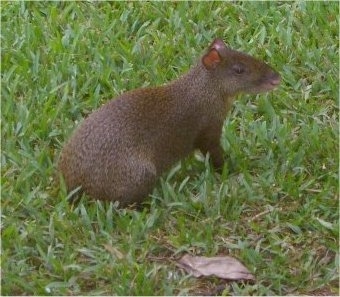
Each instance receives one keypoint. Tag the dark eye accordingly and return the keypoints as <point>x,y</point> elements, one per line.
<point>239,68</point>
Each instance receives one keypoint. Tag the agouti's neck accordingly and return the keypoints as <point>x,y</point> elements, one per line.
<point>199,86</point>
<point>195,84</point>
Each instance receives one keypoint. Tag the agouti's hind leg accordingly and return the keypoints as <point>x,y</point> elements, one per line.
<point>138,182</point>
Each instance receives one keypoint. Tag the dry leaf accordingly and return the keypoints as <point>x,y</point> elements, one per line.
<point>223,267</point>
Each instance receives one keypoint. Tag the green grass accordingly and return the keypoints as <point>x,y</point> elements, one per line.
<point>275,206</point>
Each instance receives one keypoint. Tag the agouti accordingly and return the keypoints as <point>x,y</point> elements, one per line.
<point>120,150</point>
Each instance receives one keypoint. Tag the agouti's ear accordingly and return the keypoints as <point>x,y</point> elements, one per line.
<point>211,59</point>
<point>218,45</point>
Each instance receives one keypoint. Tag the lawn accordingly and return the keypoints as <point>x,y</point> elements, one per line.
<point>275,206</point>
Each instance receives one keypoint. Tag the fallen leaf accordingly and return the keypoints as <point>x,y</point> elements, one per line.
<point>223,267</point>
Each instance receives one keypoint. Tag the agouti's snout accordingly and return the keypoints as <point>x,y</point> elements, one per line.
<point>272,81</point>
<point>275,79</point>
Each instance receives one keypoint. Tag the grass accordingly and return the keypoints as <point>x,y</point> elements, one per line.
<point>275,206</point>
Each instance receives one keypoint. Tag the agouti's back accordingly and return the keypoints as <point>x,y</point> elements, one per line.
<point>120,150</point>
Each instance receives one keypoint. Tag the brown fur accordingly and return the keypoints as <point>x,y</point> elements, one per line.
<point>120,150</point>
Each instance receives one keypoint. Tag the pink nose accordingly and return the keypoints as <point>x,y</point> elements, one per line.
<point>275,79</point>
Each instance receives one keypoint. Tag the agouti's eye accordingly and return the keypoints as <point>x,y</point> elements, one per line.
<point>239,68</point>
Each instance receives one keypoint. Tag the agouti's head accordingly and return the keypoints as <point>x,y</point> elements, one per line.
<point>237,72</point>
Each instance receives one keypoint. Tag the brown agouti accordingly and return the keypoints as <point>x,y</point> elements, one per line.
<point>120,150</point>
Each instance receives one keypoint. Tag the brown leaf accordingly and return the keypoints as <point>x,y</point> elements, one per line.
<point>223,267</point>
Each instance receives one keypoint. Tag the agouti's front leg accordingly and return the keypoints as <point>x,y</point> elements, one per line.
<point>216,155</point>
<point>209,141</point>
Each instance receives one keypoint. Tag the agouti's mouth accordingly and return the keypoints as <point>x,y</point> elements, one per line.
<point>269,83</point>
<point>275,81</point>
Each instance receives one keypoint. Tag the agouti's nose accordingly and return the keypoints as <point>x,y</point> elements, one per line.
<point>275,79</point>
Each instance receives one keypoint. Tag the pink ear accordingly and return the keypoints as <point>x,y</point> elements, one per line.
<point>211,59</point>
